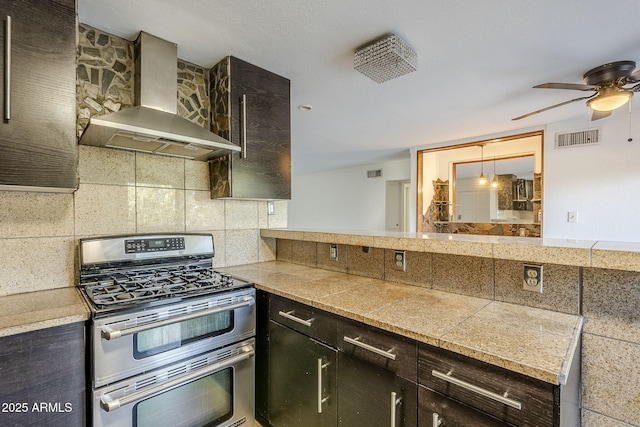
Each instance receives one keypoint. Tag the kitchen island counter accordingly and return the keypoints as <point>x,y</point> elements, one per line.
<point>531,341</point>
<point>41,309</point>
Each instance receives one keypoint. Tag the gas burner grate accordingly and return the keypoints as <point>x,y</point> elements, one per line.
<point>124,287</point>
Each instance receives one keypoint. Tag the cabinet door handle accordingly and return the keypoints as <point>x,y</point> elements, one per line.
<point>395,401</point>
<point>356,341</point>
<point>479,390</point>
<point>7,70</point>
<point>437,421</point>
<point>243,152</point>
<point>321,399</point>
<point>289,315</point>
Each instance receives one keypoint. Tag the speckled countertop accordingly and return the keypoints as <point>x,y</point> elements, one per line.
<point>535,342</point>
<point>582,253</point>
<point>39,310</point>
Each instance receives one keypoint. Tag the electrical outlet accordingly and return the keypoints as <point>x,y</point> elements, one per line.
<point>532,278</point>
<point>400,260</point>
<point>333,252</point>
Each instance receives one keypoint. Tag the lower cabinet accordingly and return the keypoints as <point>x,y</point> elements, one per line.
<point>373,396</point>
<point>303,386</point>
<point>325,370</point>
<point>43,377</point>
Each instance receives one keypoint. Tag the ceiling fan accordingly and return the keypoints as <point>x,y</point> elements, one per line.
<point>607,81</point>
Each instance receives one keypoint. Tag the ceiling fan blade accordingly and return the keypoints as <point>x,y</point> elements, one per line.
<point>633,77</point>
<point>596,115</point>
<point>573,86</point>
<point>553,106</point>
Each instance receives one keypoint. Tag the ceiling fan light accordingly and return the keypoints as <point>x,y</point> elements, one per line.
<point>609,101</point>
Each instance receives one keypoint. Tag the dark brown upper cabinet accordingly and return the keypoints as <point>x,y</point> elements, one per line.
<point>250,107</point>
<point>38,146</point>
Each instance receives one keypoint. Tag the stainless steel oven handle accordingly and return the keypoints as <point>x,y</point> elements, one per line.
<point>107,404</point>
<point>479,390</point>
<point>110,334</point>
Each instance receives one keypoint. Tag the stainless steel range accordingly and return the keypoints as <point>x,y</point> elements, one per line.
<point>172,340</point>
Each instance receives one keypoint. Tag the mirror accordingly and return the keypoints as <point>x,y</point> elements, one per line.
<point>451,198</point>
<point>505,196</point>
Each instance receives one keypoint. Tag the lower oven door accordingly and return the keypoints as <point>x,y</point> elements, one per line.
<point>213,389</point>
<point>126,344</point>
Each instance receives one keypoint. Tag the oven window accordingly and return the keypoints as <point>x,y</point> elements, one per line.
<point>164,338</point>
<point>201,403</point>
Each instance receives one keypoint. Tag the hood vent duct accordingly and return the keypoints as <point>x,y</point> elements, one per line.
<point>152,125</point>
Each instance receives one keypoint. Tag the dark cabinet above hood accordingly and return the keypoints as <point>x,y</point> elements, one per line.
<point>152,126</point>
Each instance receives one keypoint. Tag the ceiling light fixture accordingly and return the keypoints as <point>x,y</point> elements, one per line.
<point>385,59</point>
<point>609,99</point>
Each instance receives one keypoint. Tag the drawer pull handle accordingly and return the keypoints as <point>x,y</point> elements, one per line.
<point>479,390</point>
<point>356,341</point>
<point>289,315</point>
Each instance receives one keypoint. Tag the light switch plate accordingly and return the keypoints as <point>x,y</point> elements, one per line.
<point>532,278</point>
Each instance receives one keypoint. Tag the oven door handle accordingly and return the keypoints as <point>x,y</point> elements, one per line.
<point>109,334</point>
<point>108,404</point>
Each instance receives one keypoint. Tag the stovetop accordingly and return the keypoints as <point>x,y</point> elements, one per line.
<point>122,272</point>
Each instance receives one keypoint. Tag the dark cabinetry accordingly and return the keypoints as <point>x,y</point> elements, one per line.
<point>478,390</point>
<point>377,377</point>
<point>43,377</point>
<point>38,148</point>
<point>325,370</point>
<point>384,379</point>
<point>251,108</point>
<point>303,388</point>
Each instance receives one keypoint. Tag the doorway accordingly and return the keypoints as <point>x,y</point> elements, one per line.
<point>397,206</point>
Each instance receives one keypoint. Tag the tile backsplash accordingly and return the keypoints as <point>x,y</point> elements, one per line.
<point>123,192</point>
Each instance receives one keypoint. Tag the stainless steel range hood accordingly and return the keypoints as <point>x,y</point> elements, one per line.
<point>152,126</point>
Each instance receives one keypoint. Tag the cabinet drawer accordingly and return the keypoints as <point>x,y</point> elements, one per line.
<point>392,352</point>
<point>436,410</point>
<point>310,321</point>
<point>510,396</point>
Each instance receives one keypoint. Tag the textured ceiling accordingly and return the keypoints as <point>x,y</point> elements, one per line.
<point>477,62</point>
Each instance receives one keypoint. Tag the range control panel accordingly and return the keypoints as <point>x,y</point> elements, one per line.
<point>134,246</point>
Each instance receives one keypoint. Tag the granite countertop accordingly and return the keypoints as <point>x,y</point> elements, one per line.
<point>534,342</point>
<point>39,310</point>
<point>582,253</point>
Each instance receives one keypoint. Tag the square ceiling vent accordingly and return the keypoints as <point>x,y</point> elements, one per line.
<point>386,59</point>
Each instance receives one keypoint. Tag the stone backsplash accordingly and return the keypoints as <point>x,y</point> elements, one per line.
<point>105,80</point>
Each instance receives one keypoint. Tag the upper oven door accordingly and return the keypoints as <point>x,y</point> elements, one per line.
<point>131,343</point>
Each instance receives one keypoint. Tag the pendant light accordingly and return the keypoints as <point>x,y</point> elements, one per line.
<point>494,181</point>
<point>482,179</point>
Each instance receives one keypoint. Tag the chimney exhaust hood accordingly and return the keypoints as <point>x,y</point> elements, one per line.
<point>152,125</point>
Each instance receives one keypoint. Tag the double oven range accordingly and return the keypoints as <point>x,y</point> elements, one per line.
<point>171,340</point>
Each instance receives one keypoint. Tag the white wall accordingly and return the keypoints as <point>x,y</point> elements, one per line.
<point>344,199</point>
<point>600,182</point>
